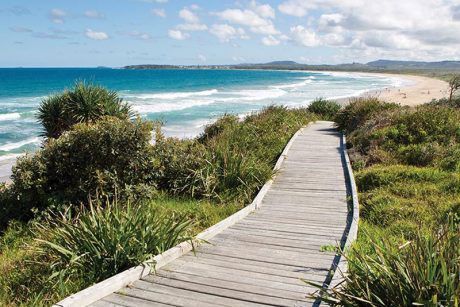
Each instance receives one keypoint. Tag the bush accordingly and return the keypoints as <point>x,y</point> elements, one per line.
<point>91,160</point>
<point>359,110</point>
<point>326,109</point>
<point>425,271</point>
<point>106,240</point>
<point>83,104</point>
<point>231,160</point>
<point>424,136</point>
<point>445,102</point>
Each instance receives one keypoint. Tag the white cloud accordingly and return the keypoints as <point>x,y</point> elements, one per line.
<point>94,14</point>
<point>202,58</point>
<point>159,12</point>
<point>296,8</point>
<point>249,18</point>
<point>192,27</point>
<point>304,37</point>
<point>177,34</point>
<point>225,32</point>
<point>57,15</point>
<point>188,16</point>
<point>99,36</point>
<point>371,29</point>
<point>192,21</point>
<point>270,41</point>
<point>263,10</point>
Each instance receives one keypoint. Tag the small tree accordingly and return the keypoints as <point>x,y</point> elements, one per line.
<point>83,104</point>
<point>454,85</point>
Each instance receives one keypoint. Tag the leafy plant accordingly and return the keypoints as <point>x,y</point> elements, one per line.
<point>358,111</point>
<point>326,109</point>
<point>91,160</point>
<point>85,103</point>
<point>107,239</point>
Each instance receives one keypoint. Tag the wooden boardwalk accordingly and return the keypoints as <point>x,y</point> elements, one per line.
<point>260,260</point>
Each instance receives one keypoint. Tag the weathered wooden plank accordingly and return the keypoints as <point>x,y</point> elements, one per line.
<point>198,297</point>
<point>318,261</point>
<point>255,266</point>
<point>315,220</point>
<point>253,238</point>
<point>287,287</point>
<point>226,289</point>
<point>291,227</point>
<point>165,298</point>
<point>280,235</point>
<point>116,299</point>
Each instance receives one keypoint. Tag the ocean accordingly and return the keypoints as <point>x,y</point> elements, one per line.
<point>185,100</point>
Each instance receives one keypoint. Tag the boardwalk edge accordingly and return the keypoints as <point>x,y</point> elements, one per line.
<point>102,289</point>
<point>342,266</point>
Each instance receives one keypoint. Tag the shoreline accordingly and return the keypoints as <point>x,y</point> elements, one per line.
<point>420,90</point>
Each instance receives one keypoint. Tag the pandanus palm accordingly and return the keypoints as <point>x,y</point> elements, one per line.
<point>84,103</point>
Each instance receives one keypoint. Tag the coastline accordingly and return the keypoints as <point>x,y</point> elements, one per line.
<point>420,90</point>
<point>416,90</point>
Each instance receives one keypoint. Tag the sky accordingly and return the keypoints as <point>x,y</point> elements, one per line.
<point>86,33</point>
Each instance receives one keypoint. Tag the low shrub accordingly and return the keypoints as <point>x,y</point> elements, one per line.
<point>326,109</point>
<point>423,136</point>
<point>454,103</point>
<point>231,160</point>
<point>90,160</point>
<point>359,110</point>
<point>384,176</point>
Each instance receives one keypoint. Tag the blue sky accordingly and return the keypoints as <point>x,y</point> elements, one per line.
<point>69,33</point>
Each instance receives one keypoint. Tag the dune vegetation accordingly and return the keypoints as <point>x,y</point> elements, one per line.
<point>99,197</point>
<point>406,162</point>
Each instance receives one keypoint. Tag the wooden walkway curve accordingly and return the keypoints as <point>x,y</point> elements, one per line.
<point>260,260</point>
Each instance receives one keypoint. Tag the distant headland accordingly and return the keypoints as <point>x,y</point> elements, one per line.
<point>374,66</point>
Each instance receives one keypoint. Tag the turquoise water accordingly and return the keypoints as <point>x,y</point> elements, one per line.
<point>185,100</point>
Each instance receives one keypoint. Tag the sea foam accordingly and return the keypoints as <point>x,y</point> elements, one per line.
<point>9,116</point>
<point>16,145</point>
<point>174,95</point>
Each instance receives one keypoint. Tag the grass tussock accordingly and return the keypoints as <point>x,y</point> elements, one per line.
<point>422,272</point>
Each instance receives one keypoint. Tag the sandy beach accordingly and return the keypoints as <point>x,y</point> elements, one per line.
<point>419,90</point>
<point>415,90</point>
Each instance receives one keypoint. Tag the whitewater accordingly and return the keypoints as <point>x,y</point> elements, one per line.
<point>184,100</point>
